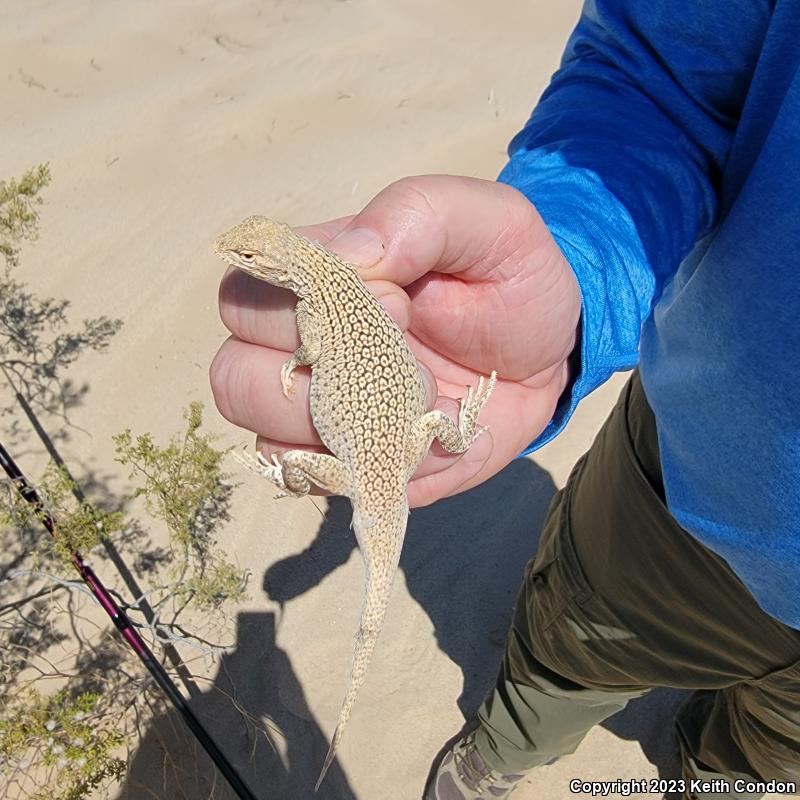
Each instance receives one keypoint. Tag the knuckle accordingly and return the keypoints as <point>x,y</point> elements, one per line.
<point>416,194</point>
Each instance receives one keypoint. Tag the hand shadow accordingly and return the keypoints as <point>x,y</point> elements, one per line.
<point>279,762</point>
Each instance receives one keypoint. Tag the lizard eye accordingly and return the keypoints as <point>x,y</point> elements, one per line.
<point>247,255</point>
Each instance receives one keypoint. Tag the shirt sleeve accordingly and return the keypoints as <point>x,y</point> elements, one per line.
<point>624,155</point>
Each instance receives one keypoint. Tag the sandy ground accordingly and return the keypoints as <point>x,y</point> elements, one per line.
<point>163,124</point>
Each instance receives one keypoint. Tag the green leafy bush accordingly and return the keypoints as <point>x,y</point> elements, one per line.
<point>67,737</point>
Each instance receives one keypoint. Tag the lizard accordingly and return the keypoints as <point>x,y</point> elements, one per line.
<point>367,403</point>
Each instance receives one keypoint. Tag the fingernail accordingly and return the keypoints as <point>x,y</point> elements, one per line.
<point>360,246</point>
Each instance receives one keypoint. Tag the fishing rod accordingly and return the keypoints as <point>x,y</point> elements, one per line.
<point>129,633</point>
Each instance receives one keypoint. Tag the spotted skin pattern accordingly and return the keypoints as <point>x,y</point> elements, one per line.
<point>367,405</point>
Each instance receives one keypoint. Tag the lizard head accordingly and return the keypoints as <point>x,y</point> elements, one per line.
<point>262,248</point>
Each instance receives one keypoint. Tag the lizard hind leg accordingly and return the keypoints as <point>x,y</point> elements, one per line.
<point>454,438</point>
<point>298,469</point>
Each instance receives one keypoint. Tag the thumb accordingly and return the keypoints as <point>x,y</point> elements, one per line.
<point>428,223</point>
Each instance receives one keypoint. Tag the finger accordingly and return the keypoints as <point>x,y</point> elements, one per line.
<point>436,477</point>
<point>245,382</point>
<point>427,223</point>
<point>436,461</point>
<point>257,312</point>
<point>362,252</point>
<point>440,476</point>
<point>323,232</point>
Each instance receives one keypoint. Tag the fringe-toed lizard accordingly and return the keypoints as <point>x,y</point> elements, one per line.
<point>367,405</point>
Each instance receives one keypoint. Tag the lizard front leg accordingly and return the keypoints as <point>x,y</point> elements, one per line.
<point>310,344</point>
<point>454,438</point>
<point>298,470</point>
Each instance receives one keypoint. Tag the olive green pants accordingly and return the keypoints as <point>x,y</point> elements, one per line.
<point>619,600</point>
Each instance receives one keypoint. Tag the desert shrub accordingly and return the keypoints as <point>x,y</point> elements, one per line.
<point>72,696</point>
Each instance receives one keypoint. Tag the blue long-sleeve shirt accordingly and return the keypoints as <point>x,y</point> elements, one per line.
<point>665,159</point>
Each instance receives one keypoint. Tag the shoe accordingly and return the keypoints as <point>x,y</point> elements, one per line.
<point>464,775</point>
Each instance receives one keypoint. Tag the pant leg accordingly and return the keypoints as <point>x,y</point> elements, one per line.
<point>620,599</point>
<point>534,714</point>
<point>749,731</point>
<point>704,738</point>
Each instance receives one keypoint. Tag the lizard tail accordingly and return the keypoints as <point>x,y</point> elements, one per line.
<point>380,540</point>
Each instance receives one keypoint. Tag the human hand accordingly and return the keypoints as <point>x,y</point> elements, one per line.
<point>485,287</point>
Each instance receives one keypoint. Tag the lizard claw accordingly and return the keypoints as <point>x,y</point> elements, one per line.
<point>472,404</point>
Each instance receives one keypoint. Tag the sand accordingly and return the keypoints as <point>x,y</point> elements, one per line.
<point>163,124</point>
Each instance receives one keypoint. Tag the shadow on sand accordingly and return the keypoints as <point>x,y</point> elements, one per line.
<point>465,577</point>
<point>281,762</point>
<point>648,720</point>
